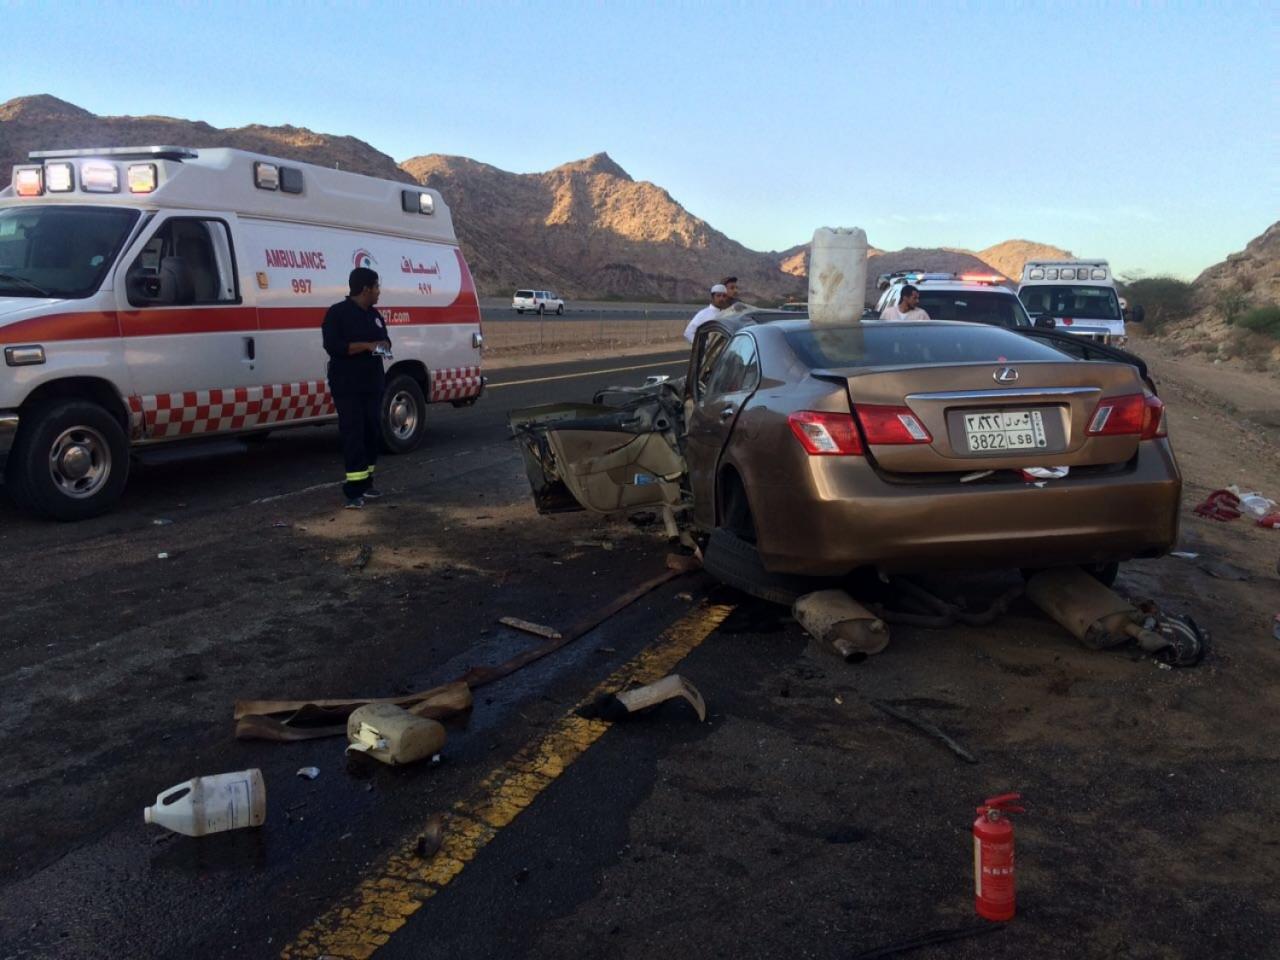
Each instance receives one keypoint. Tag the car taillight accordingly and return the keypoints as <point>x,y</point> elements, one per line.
<point>891,425</point>
<point>1135,414</point>
<point>1154,424</point>
<point>826,434</point>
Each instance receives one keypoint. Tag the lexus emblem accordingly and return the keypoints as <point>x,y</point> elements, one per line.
<point>1005,375</point>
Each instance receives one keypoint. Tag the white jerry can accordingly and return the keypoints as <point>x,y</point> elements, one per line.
<point>223,801</point>
<point>837,275</point>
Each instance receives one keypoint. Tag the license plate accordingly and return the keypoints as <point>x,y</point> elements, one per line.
<point>998,430</point>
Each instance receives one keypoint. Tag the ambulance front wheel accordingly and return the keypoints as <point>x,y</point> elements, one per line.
<point>404,414</point>
<point>70,461</point>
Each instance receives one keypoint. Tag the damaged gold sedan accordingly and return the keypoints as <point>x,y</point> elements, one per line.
<point>814,450</point>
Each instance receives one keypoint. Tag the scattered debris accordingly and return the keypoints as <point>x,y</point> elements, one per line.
<point>212,804</point>
<point>309,772</point>
<point>288,720</point>
<point>644,519</point>
<point>618,706</point>
<point>1255,506</point>
<point>392,734</point>
<point>1041,474</point>
<point>685,596</point>
<point>363,557</point>
<point>1271,521</point>
<point>834,617</point>
<point>1183,554</point>
<point>1220,505</point>
<point>526,626</point>
<point>976,475</point>
<point>1222,570</point>
<point>925,726</point>
<point>163,555</point>
<point>432,837</point>
<point>602,544</point>
<point>280,523</point>
<point>683,564</point>
<point>161,522</point>
<point>1100,618</point>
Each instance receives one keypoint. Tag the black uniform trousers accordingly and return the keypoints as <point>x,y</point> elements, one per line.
<point>360,426</point>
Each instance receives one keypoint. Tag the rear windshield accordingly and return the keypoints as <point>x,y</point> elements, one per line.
<point>974,306</point>
<point>524,293</point>
<point>892,344</point>
<point>1071,300</point>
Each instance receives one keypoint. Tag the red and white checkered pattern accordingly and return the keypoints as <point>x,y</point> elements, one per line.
<point>237,408</point>
<point>455,383</point>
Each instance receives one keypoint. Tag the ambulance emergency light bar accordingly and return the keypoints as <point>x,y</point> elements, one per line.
<point>1067,273</point>
<point>96,176</point>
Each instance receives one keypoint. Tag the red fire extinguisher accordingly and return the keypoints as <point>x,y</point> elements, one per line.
<point>993,857</point>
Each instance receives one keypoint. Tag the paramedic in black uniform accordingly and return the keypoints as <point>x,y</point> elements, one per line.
<point>355,337</point>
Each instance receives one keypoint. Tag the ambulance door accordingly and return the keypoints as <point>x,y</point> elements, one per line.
<point>190,339</point>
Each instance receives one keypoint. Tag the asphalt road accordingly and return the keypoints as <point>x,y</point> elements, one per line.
<point>798,821</point>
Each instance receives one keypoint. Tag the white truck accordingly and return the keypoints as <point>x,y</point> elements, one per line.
<point>1076,296</point>
<point>158,294</point>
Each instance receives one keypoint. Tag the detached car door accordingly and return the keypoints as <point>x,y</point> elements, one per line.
<point>728,374</point>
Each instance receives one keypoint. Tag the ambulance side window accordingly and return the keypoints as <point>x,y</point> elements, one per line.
<point>187,261</point>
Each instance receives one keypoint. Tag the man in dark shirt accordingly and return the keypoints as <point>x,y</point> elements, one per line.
<point>355,337</point>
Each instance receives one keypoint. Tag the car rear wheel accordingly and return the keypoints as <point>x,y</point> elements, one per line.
<point>70,462</point>
<point>736,563</point>
<point>404,414</point>
<point>560,310</point>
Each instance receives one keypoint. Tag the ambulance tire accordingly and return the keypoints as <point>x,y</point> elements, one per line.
<point>404,414</point>
<point>85,488</point>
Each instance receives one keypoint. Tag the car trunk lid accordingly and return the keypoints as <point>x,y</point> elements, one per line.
<point>980,416</point>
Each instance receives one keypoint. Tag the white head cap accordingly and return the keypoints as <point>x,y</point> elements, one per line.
<point>719,288</point>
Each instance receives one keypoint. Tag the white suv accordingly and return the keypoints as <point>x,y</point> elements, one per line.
<point>537,301</point>
<point>975,298</point>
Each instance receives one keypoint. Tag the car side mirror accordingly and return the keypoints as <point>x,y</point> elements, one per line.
<point>1138,313</point>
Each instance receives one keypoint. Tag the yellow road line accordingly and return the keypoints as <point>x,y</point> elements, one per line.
<point>587,373</point>
<point>359,924</point>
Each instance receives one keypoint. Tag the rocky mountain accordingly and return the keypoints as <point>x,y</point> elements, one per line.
<point>587,229</point>
<point>1254,272</point>
<point>47,123</point>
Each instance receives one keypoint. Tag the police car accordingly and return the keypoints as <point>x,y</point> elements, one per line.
<point>153,295</point>
<point>969,297</point>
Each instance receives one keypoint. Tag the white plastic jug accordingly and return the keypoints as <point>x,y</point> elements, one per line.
<point>223,801</point>
<point>837,275</point>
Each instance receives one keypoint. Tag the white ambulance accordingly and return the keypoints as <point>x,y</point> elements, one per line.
<point>158,294</point>
<point>1076,296</point>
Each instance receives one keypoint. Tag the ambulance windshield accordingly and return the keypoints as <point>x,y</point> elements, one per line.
<point>1067,300</point>
<point>59,251</point>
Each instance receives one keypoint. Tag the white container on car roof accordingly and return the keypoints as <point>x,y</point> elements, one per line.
<point>837,275</point>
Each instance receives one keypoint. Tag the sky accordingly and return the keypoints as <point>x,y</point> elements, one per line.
<point>1145,133</point>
